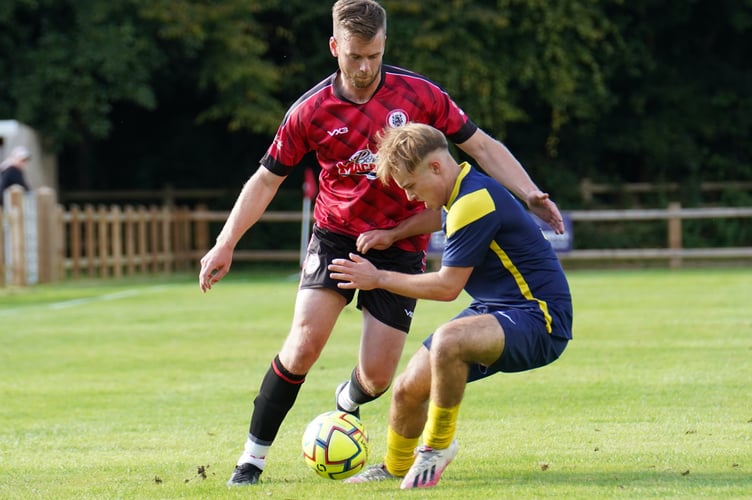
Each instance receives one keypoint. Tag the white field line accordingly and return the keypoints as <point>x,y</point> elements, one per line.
<point>66,304</point>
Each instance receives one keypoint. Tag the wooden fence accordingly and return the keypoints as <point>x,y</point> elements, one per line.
<point>588,189</point>
<point>114,241</point>
<point>674,251</point>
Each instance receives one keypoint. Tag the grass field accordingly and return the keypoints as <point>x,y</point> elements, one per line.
<point>143,389</point>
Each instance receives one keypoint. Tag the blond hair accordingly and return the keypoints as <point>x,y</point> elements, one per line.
<point>401,149</point>
<point>361,18</point>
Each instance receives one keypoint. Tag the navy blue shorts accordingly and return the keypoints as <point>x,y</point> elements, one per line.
<point>527,343</point>
<point>389,308</point>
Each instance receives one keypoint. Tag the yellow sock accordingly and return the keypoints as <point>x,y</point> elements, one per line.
<point>441,426</point>
<point>399,453</point>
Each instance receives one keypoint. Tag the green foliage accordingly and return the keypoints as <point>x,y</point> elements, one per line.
<point>684,94</point>
<point>494,56</point>
<point>225,41</point>
<point>141,93</point>
<point>142,389</point>
<point>65,64</point>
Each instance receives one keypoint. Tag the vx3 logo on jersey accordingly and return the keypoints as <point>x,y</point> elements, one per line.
<point>338,131</point>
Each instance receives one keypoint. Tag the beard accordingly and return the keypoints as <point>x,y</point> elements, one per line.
<point>361,81</point>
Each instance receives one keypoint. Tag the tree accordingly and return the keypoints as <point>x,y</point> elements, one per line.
<point>685,93</point>
<point>144,93</point>
<point>67,65</point>
<point>496,56</point>
<point>525,70</point>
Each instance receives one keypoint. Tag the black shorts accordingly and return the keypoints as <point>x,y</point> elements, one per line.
<point>389,308</point>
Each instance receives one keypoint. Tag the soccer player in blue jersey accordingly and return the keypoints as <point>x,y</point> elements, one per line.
<point>520,317</point>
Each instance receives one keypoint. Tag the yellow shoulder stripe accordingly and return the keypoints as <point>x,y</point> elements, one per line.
<point>468,209</point>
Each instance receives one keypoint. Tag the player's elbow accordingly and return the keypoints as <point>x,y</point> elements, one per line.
<point>450,281</point>
<point>448,293</point>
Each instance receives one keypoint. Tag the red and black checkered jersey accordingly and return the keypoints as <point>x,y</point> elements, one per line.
<point>351,200</point>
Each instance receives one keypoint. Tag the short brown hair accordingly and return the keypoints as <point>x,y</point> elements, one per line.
<point>361,18</point>
<point>401,149</point>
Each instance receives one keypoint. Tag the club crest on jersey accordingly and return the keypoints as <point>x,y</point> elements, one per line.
<point>361,163</point>
<point>396,118</point>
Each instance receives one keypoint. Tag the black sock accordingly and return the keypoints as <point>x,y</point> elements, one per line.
<point>358,395</point>
<point>277,394</point>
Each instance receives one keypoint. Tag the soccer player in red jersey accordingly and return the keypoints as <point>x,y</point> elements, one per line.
<point>339,119</point>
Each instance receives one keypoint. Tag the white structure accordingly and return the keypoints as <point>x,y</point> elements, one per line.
<point>40,172</point>
<point>42,167</point>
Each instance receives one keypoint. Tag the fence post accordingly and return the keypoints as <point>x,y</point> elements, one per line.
<point>143,249</point>
<point>586,190</point>
<point>181,238</point>
<point>103,242</point>
<point>116,236</point>
<point>60,244</point>
<point>47,235</point>
<point>165,218</point>
<point>90,248</point>
<point>130,240</point>
<point>675,234</point>
<point>17,240</point>
<point>74,241</point>
<point>201,239</point>
<point>154,238</point>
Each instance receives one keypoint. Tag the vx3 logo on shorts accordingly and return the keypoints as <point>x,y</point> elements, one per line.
<point>408,313</point>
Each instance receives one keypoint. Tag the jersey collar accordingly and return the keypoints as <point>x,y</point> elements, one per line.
<point>464,170</point>
<point>341,97</point>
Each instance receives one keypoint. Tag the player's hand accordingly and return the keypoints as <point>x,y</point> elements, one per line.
<point>377,239</point>
<point>357,272</point>
<point>542,206</point>
<point>214,266</point>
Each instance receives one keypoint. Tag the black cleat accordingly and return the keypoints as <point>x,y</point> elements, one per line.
<point>355,412</point>
<point>244,474</point>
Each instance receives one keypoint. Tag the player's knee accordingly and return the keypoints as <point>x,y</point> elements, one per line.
<point>445,343</point>
<point>374,383</point>
<point>401,390</point>
<point>407,392</point>
<point>300,357</point>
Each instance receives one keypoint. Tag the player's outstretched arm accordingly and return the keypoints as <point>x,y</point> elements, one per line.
<point>255,196</point>
<point>493,157</point>
<point>545,208</point>
<point>357,272</point>
<point>424,222</point>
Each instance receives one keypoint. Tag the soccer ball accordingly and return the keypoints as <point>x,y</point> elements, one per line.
<point>335,445</point>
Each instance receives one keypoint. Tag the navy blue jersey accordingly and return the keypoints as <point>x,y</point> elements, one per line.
<point>514,265</point>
